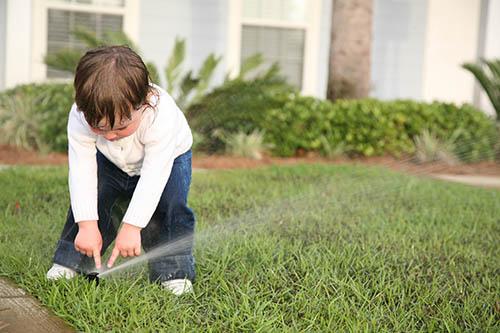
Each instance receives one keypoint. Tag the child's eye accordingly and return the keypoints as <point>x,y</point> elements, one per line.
<point>97,130</point>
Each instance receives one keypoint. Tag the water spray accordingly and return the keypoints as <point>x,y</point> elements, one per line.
<point>285,205</point>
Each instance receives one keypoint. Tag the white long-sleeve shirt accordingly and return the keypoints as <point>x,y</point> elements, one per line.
<point>163,135</point>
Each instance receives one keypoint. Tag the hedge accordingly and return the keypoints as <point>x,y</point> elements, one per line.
<point>364,127</point>
<point>51,104</point>
<point>370,127</point>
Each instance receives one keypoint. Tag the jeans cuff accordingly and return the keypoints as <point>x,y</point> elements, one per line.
<point>172,267</point>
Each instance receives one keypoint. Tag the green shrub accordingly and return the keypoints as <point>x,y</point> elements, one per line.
<point>50,105</point>
<point>370,127</point>
<point>472,132</point>
<point>236,106</point>
<point>357,126</point>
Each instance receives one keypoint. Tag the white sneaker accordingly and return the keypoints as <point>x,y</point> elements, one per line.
<point>57,272</point>
<point>178,286</point>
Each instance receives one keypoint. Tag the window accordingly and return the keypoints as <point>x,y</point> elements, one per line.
<point>58,18</point>
<point>281,45</point>
<point>62,22</point>
<point>283,31</point>
<point>112,3</point>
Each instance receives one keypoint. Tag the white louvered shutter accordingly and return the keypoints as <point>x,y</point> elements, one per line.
<point>62,22</point>
<point>265,31</point>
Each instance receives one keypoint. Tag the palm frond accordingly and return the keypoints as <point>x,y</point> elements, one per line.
<point>494,66</point>
<point>64,60</point>
<point>205,75</point>
<point>249,64</point>
<point>120,38</point>
<point>86,36</point>
<point>174,62</point>
<point>487,73</point>
<point>154,76</point>
<point>188,83</point>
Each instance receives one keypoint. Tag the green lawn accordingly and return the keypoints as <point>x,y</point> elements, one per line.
<point>304,248</point>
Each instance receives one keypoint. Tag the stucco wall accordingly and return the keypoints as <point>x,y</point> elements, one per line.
<point>18,43</point>
<point>324,48</point>
<point>398,47</point>
<point>160,22</point>
<point>202,23</point>
<point>491,47</point>
<point>451,39</point>
<point>3,23</point>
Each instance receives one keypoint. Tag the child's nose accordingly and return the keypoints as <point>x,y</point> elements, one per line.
<point>110,136</point>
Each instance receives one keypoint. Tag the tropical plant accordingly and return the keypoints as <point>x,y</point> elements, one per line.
<point>35,116</point>
<point>20,123</point>
<point>430,148</point>
<point>487,73</point>
<point>237,106</point>
<point>185,87</point>
<point>66,59</point>
<point>188,90</point>
<point>245,145</point>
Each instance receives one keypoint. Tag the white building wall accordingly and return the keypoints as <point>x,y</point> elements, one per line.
<point>324,48</point>
<point>397,48</point>
<point>432,39</point>
<point>203,23</point>
<point>492,47</point>
<point>451,40</point>
<point>160,22</point>
<point>18,43</point>
<point>3,24</point>
<point>209,29</point>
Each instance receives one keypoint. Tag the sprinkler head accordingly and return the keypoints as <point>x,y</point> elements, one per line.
<point>93,277</point>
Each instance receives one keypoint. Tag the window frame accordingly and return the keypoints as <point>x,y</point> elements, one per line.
<point>311,26</point>
<point>130,13</point>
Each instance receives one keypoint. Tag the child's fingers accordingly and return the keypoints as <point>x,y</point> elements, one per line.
<point>97,258</point>
<point>113,257</point>
<point>137,251</point>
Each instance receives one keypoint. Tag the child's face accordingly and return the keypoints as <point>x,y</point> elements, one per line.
<point>122,128</point>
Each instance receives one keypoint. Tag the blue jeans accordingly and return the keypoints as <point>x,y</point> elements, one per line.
<point>172,220</point>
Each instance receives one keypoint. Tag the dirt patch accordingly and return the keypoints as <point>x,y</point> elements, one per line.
<point>402,164</point>
<point>13,156</point>
<point>486,168</point>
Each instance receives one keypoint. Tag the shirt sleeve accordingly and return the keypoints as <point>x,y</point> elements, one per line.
<point>159,154</point>
<point>82,167</point>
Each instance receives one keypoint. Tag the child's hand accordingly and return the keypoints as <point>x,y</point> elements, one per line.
<point>127,243</point>
<point>88,241</point>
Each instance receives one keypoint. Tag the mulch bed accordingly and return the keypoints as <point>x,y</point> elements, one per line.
<point>14,156</point>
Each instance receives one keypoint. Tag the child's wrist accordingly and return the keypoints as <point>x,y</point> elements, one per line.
<point>87,224</point>
<point>131,227</point>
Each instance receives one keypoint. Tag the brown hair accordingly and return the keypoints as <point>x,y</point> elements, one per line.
<point>110,81</point>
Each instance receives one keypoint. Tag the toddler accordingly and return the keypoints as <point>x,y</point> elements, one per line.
<point>128,142</point>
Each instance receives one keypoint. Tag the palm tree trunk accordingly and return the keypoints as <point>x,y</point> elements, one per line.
<point>350,50</point>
